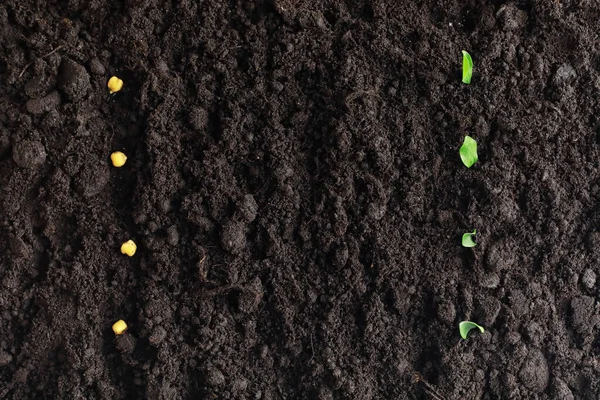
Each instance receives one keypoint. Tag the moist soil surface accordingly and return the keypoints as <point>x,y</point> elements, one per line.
<point>295,190</point>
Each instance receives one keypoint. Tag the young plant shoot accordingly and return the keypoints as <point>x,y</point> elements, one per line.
<point>468,152</point>
<point>465,327</point>
<point>468,239</point>
<point>467,72</point>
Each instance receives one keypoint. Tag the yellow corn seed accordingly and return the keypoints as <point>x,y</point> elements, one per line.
<point>119,327</point>
<point>129,248</point>
<point>118,159</point>
<point>114,84</point>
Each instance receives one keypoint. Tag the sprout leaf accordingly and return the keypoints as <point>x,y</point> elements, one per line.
<point>468,152</point>
<point>467,72</point>
<point>465,327</point>
<point>467,239</point>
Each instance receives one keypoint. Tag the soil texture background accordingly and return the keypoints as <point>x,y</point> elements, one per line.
<point>295,189</point>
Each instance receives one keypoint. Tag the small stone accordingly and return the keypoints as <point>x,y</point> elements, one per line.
<point>172,235</point>
<point>152,226</point>
<point>157,336</point>
<point>538,65</point>
<point>564,75</point>
<point>489,308</point>
<point>589,278</point>
<point>73,79</point>
<point>92,178</point>
<point>233,237</point>
<point>277,86</point>
<point>29,154</point>
<point>247,208</point>
<point>198,118</point>
<point>126,343</point>
<point>535,333</point>
<point>582,309</point>
<point>37,86</point>
<point>511,18</point>
<point>489,280</point>
<point>43,104</point>
<point>337,373</point>
<point>215,377</point>
<point>340,255</point>
<point>541,309</point>
<point>96,66</point>
<point>164,205</point>
<point>574,279</point>
<point>19,248</point>
<point>534,373</point>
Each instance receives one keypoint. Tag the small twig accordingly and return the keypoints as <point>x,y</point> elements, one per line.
<point>355,95</point>
<point>202,272</point>
<point>44,56</point>
<point>429,389</point>
<point>228,288</point>
<point>432,394</point>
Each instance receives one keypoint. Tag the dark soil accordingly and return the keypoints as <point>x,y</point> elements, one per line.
<point>296,193</point>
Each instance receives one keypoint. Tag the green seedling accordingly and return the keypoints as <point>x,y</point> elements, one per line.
<point>467,67</point>
<point>468,152</point>
<point>465,327</point>
<point>467,239</point>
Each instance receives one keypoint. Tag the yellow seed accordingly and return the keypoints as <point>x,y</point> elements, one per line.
<point>118,159</point>
<point>129,248</point>
<point>119,327</point>
<point>114,84</point>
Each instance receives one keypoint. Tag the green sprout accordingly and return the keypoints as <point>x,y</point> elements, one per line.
<point>465,327</point>
<point>467,239</point>
<point>468,152</point>
<point>467,67</point>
